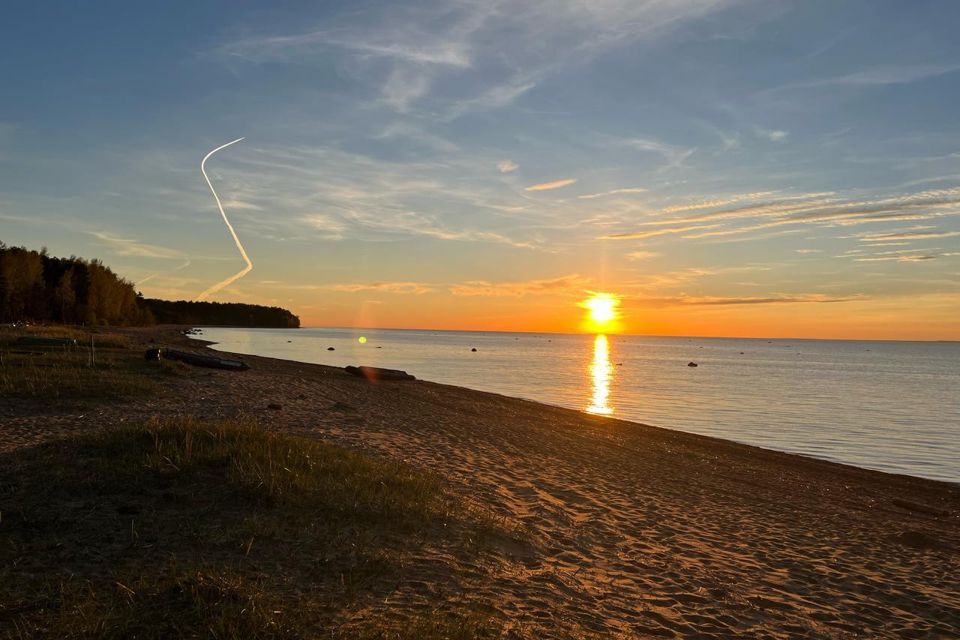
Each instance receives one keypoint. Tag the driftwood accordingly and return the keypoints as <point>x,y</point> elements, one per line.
<point>197,360</point>
<point>376,373</point>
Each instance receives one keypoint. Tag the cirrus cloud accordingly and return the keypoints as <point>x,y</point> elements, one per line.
<point>548,186</point>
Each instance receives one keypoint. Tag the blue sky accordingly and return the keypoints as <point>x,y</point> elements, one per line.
<point>724,166</point>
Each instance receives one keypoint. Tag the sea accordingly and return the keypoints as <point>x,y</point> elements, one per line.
<point>889,406</point>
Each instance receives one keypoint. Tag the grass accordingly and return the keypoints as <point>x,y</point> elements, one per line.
<point>69,372</point>
<point>101,337</point>
<point>184,529</point>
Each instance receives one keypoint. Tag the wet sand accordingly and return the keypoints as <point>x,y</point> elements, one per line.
<point>632,530</point>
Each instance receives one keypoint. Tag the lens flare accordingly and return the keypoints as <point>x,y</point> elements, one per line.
<point>243,253</point>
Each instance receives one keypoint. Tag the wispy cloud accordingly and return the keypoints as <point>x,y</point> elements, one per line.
<point>784,299</point>
<point>419,47</point>
<point>673,155</point>
<point>807,209</point>
<point>882,75</point>
<point>909,235</point>
<point>653,233</point>
<point>547,186</point>
<point>416,288</point>
<point>565,285</point>
<point>132,248</point>
<point>773,135</point>
<point>417,135</point>
<point>142,281</point>
<point>327,193</point>
<point>403,88</point>
<point>408,49</point>
<point>719,301</point>
<point>636,256</point>
<point>507,166</point>
<point>718,202</point>
<point>920,258</point>
<point>493,98</point>
<point>613,192</point>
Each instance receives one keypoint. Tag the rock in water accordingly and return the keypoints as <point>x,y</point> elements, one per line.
<point>692,364</point>
<point>474,349</point>
<point>330,349</point>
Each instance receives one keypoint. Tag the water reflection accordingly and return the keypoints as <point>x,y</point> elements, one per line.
<point>601,374</point>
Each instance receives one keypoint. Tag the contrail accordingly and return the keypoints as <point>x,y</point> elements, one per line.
<point>150,277</point>
<point>220,285</point>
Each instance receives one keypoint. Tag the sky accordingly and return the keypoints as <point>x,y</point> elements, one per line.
<point>723,167</point>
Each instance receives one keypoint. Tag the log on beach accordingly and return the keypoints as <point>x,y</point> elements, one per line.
<point>196,359</point>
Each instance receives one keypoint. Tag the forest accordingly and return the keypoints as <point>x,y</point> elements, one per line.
<point>231,314</point>
<point>39,288</point>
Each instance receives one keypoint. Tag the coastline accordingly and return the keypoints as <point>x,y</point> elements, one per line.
<point>780,395</point>
<point>635,529</point>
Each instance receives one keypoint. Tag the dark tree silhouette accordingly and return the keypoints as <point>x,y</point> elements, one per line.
<point>233,314</point>
<point>35,287</point>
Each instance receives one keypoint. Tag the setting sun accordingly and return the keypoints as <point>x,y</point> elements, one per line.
<point>602,309</point>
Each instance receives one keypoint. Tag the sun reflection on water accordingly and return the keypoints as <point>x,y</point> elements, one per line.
<point>601,374</point>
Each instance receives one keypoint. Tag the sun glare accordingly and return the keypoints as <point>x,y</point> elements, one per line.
<point>601,374</point>
<point>602,308</point>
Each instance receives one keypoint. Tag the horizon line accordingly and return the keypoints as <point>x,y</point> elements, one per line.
<point>614,333</point>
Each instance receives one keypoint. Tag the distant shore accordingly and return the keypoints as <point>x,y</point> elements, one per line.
<point>635,530</point>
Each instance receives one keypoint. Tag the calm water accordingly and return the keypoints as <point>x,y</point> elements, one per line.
<point>892,406</point>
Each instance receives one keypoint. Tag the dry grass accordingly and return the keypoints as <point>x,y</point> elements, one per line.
<point>68,373</point>
<point>109,370</point>
<point>188,529</point>
<point>102,338</point>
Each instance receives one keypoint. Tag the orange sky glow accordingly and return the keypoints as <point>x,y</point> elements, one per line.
<point>867,320</point>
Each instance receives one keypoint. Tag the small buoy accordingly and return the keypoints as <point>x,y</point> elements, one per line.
<point>692,364</point>
<point>474,349</point>
<point>362,340</point>
<point>330,349</point>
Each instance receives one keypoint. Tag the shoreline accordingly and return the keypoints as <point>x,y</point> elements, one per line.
<point>955,483</point>
<point>579,333</point>
<point>635,530</point>
<point>707,440</point>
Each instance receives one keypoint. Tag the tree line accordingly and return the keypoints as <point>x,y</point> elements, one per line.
<point>39,288</point>
<point>230,314</point>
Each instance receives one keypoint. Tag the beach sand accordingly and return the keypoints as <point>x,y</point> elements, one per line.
<point>629,530</point>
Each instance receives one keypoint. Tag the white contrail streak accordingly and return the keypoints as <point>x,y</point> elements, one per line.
<point>220,285</point>
<point>150,277</point>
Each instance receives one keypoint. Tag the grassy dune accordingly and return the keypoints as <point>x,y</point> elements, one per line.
<point>108,370</point>
<point>190,529</point>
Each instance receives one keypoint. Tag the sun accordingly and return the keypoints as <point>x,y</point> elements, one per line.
<point>602,309</point>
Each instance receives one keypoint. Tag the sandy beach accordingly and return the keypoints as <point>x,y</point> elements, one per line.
<point>630,530</point>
